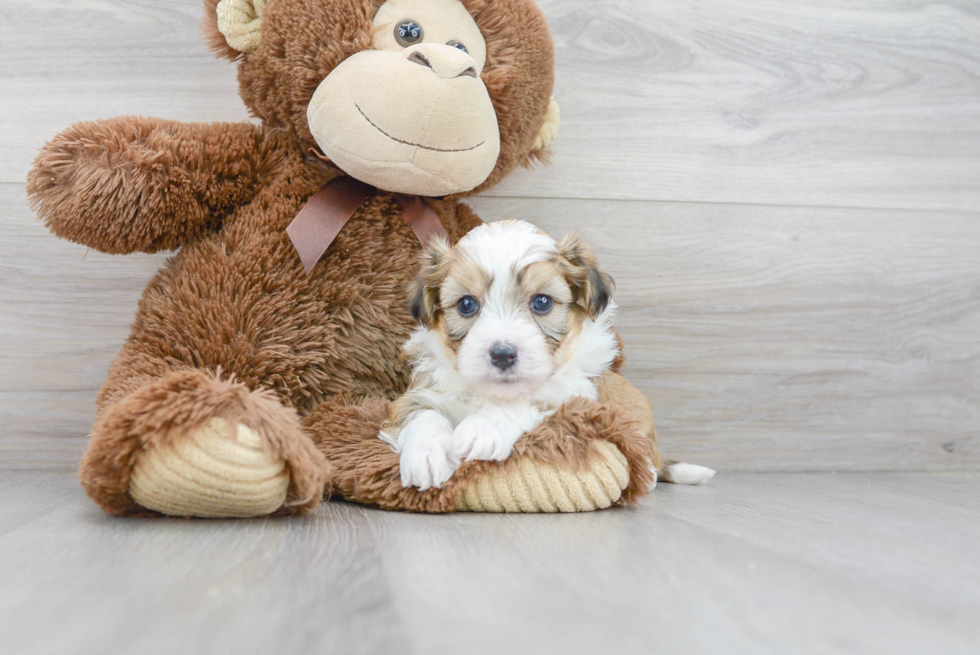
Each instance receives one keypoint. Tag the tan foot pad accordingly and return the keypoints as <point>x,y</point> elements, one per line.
<point>540,487</point>
<point>211,474</point>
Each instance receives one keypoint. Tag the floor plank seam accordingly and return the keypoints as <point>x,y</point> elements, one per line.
<point>672,201</point>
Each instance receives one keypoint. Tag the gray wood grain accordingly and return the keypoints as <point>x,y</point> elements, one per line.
<point>870,103</point>
<point>766,338</point>
<point>839,103</point>
<point>776,563</point>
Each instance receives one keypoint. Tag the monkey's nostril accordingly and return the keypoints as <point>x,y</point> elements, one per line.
<point>469,71</point>
<point>420,59</point>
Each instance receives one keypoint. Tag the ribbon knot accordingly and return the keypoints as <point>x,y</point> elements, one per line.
<point>323,216</point>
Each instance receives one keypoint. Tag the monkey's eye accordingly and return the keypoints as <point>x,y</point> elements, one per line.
<point>456,44</point>
<point>467,306</point>
<point>407,33</point>
<point>541,304</point>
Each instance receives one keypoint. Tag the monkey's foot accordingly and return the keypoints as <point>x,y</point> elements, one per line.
<point>217,470</point>
<point>190,444</point>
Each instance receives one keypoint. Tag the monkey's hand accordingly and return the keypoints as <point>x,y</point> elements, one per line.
<point>132,184</point>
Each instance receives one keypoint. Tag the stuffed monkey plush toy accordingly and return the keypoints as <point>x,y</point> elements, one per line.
<point>263,355</point>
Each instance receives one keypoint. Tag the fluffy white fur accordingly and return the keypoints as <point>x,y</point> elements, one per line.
<point>476,411</point>
<point>426,442</point>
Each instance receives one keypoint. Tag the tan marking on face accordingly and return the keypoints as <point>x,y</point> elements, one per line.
<point>547,278</point>
<point>450,345</point>
<point>593,288</point>
<point>566,348</point>
<point>435,263</point>
<point>464,278</point>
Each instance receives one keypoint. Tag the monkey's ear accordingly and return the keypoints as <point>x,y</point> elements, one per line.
<point>233,27</point>
<point>425,289</point>
<point>592,286</point>
<point>549,130</point>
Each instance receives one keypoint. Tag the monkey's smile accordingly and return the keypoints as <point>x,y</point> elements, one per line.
<point>409,143</point>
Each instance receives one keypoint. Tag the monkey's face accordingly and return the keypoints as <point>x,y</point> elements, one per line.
<point>412,114</point>
<point>428,97</point>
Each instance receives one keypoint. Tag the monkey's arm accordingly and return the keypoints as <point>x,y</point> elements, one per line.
<point>132,184</point>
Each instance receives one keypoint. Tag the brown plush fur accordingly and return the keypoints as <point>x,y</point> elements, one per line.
<point>136,184</point>
<point>234,302</point>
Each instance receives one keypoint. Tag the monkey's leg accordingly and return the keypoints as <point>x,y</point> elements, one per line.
<point>186,443</point>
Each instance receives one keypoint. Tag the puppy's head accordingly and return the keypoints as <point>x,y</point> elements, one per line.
<point>508,303</point>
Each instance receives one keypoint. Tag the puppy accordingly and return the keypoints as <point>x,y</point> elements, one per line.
<point>513,324</point>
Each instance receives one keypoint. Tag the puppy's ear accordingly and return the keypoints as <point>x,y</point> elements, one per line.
<point>425,289</point>
<point>592,287</point>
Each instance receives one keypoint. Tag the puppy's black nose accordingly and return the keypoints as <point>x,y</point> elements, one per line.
<point>503,355</point>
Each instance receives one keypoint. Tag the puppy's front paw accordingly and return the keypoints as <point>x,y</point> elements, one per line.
<point>479,437</point>
<point>426,457</point>
<point>425,465</point>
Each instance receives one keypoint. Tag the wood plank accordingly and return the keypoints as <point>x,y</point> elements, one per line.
<point>61,63</point>
<point>672,581</point>
<point>840,103</point>
<point>28,496</point>
<point>778,563</point>
<point>77,580</point>
<point>767,338</point>
<point>64,313</point>
<point>45,429</point>
<point>890,529</point>
<point>812,102</point>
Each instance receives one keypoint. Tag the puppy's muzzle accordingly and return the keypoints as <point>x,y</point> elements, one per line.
<point>503,355</point>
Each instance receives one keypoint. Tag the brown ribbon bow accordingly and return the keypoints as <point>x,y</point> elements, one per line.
<point>320,220</point>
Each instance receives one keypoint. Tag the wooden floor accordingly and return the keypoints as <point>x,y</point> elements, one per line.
<point>753,563</point>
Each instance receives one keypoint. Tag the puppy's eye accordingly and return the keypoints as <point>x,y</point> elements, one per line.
<point>456,44</point>
<point>467,306</point>
<point>541,304</point>
<point>407,33</point>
